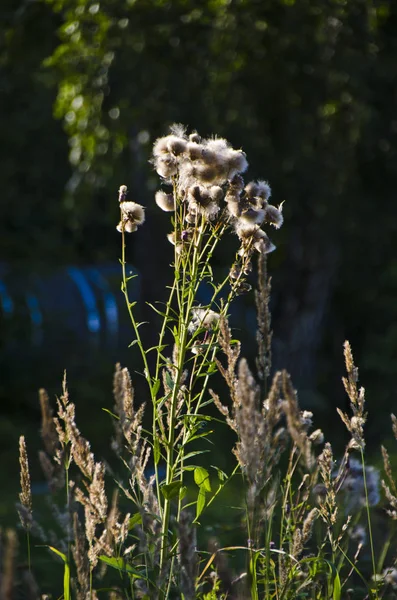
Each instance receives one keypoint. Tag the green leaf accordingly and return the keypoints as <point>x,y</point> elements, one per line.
<point>199,435</point>
<point>156,310</point>
<point>121,565</point>
<point>337,591</point>
<point>202,478</point>
<point>66,572</point>
<point>134,520</point>
<point>171,490</point>
<point>222,476</point>
<point>59,553</point>
<point>183,492</point>
<point>132,343</point>
<point>196,453</point>
<point>106,410</point>
<point>156,387</point>
<point>156,451</point>
<point>66,582</point>
<point>200,504</point>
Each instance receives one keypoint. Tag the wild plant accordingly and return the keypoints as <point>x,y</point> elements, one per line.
<point>303,532</point>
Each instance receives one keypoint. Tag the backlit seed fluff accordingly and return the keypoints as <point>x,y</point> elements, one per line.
<point>237,162</point>
<point>122,193</point>
<point>245,229</point>
<point>234,208</point>
<point>207,173</point>
<point>198,196</point>
<point>176,145</point>
<point>132,215</point>
<point>166,166</point>
<point>203,317</point>
<point>263,190</point>
<point>160,146</point>
<point>194,150</point>
<point>216,193</point>
<point>262,243</point>
<point>253,215</point>
<point>194,137</point>
<point>218,145</point>
<point>237,183</point>
<point>165,201</point>
<point>251,189</point>
<point>274,216</point>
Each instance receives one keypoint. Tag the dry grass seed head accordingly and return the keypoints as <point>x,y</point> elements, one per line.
<point>25,496</point>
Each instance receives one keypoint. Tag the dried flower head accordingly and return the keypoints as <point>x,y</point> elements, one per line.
<point>203,317</point>
<point>165,201</point>
<point>25,496</point>
<point>132,215</point>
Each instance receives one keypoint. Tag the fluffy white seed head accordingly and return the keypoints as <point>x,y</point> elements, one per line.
<point>165,201</point>
<point>166,166</point>
<point>253,215</point>
<point>274,216</point>
<point>264,190</point>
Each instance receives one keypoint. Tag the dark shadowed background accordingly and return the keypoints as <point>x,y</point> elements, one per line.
<point>307,88</point>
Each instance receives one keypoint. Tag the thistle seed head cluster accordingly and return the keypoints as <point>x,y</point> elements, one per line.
<point>207,183</point>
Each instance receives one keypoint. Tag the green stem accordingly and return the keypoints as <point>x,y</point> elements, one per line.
<point>182,339</point>
<point>131,314</point>
<point>371,543</point>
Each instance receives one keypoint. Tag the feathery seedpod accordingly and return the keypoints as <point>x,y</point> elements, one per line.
<point>194,137</point>
<point>160,146</point>
<point>245,229</point>
<point>274,216</point>
<point>200,201</point>
<point>176,145</point>
<point>216,193</point>
<point>218,145</point>
<point>198,197</point>
<point>132,215</point>
<point>258,189</point>
<point>237,162</point>
<point>210,173</point>
<point>263,190</point>
<point>123,193</point>
<point>165,201</point>
<point>252,216</point>
<point>203,317</point>
<point>233,208</point>
<point>194,150</point>
<point>166,166</point>
<point>185,237</point>
<point>262,244</point>
<point>236,184</point>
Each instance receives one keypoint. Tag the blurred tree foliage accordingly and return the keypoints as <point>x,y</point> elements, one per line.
<point>306,87</point>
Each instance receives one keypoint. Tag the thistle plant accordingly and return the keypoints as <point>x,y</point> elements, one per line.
<point>207,196</point>
<point>307,516</point>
